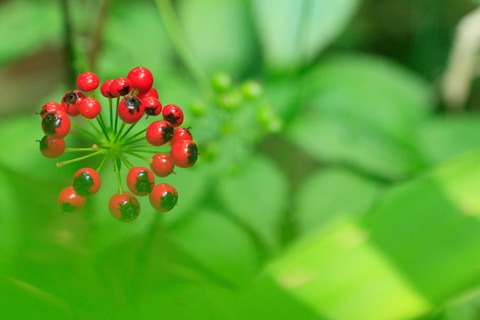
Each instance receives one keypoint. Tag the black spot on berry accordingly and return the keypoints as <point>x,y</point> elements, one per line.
<point>70,98</point>
<point>124,90</point>
<point>192,153</point>
<point>50,123</point>
<point>168,200</point>
<point>172,118</point>
<point>132,104</point>
<point>143,182</point>
<point>83,183</point>
<point>43,143</point>
<point>128,210</point>
<point>167,133</point>
<point>67,207</point>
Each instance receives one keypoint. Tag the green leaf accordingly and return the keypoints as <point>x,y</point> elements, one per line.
<point>443,137</point>
<point>219,245</point>
<point>27,26</point>
<point>330,195</point>
<point>257,196</point>
<point>219,33</point>
<point>418,249</point>
<point>363,111</point>
<point>293,32</point>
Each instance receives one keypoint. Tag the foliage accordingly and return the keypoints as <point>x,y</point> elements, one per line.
<point>340,188</point>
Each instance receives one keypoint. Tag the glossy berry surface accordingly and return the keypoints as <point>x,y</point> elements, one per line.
<point>87,81</point>
<point>152,92</point>
<point>70,201</point>
<point>173,114</point>
<point>184,153</point>
<point>140,181</point>
<point>51,147</point>
<point>162,165</point>
<point>130,109</point>
<point>153,107</point>
<point>163,197</point>
<point>86,182</point>
<point>56,124</point>
<point>120,87</point>
<point>141,78</point>
<point>89,107</point>
<point>181,134</point>
<point>105,89</point>
<point>70,102</point>
<point>159,132</point>
<point>124,207</point>
<point>51,107</point>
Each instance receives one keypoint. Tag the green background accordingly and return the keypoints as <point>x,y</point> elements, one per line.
<point>346,188</point>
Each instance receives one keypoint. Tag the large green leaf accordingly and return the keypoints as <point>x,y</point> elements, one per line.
<point>218,32</point>
<point>416,251</point>
<point>293,32</point>
<point>443,137</point>
<point>220,245</point>
<point>27,26</point>
<point>257,195</point>
<point>332,194</point>
<point>363,111</point>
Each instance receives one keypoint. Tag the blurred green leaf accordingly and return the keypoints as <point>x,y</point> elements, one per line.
<point>36,24</point>
<point>293,32</point>
<point>9,226</point>
<point>257,196</point>
<point>443,137</point>
<point>363,111</point>
<point>417,249</point>
<point>219,33</point>
<point>321,199</point>
<point>220,245</point>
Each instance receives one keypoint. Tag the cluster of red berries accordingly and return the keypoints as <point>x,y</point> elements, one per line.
<point>135,98</point>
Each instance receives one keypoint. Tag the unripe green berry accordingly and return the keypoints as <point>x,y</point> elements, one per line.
<point>221,82</point>
<point>251,89</point>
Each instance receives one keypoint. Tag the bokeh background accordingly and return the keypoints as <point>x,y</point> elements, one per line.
<point>339,176</point>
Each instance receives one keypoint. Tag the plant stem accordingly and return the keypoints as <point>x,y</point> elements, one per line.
<point>117,172</point>
<point>138,156</point>
<point>104,160</point>
<point>88,133</point>
<point>136,135</point>
<point>63,163</point>
<point>128,130</point>
<point>80,149</point>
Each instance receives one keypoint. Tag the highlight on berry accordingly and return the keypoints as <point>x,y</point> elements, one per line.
<point>109,126</point>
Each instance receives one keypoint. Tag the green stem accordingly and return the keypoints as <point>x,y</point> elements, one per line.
<point>104,160</point>
<point>116,116</point>
<point>102,125</point>
<point>80,149</point>
<point>63,163</point>
<point>151,151</point>
<point>128,130</point>
<point>127,163</point>
<point>117,136</point>
<point>110,104</point>
<point>138,156</point>
<point>117,172</point>
<point>136,135</point>
<point>177,38</point>
<point>94,126</point>
<point>83,136</point>
<point>88,133</point>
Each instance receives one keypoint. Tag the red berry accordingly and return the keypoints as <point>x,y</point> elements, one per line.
<point>124,207</point>
<point>105,89</point>
<point>70,101</point>
<point>159,132</point>
<point>181,134</point>
<point>130,109</point>
<point>56,124</point>
<point>51,107</point>
<point>120,87</point>
<point>89,107</point>
<point>86,182</point>
<point>152,92</point>
<point>141,78</point>
<point>70,201</point>
<point>173,114</point>
<point>52,148</point>
<point>140,181</point>
<point>163,197</point>
<point>184,153</point>
<point>87,81</point>
<point>153,107</point>
<point>162,165</point>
